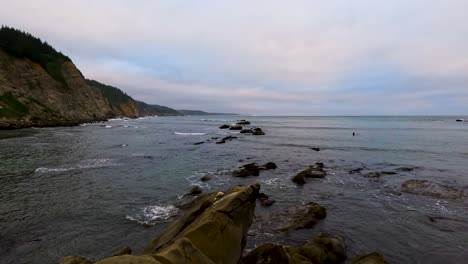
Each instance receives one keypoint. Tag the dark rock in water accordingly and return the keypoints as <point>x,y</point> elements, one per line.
<point>320,165</point>
<point>316,149</point>
<point>258,132</point>
<point>214,138</point>
<point>372,258</point>
<point>199,143</point>
<point>224,126</point>
<point>246,131</point>
<point>405,169</point>
<point>221,142</point>
<point>228,138</point>
<point>242,122</point>
<point>355,171</point>
<point>299,179</point>
<point>269,166</point>
<point>305,217</point>
<point>250,169</point>
<point>388,173</point>
<point>267,202</point>
<point>75,260</point>
<point>263,196</point>
<point>235,127</point>
<point>122,251</point>
<point>372,175</point>
<point>195,190</point>
<point>325,249</point>
<point>313,172</point>
<point>205,178</point>
<point>428,188</point>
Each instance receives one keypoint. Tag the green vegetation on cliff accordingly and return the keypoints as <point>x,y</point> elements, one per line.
<point>10,106</point>
<point>152,109</point>
<point>114,95</point>
<point>23,45</point>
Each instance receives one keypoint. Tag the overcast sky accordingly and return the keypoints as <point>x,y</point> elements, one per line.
<point>341,57</point>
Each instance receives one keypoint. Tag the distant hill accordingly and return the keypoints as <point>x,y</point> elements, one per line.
<point>199,112</point>
<point>40,86</point>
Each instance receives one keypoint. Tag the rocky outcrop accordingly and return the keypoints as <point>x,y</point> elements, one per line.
<point>324,249</point>
<point>213,230</point>
<point>316,171</point>
<point>224,126</point>
<point>373,258</point>
<point>429,188</point>
<point>252,169</point>
<point>243,122</point>
<point>235,127</point>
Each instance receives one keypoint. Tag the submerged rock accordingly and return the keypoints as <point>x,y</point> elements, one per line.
<point>224,126</point>
<point>428,188</point>
<point>251,169</point>
<point>199,143</point>
<point>221,142</point>
<point>307,216</point>
<point>205,178</point>
<point>316,149</point>
<point>316,171</point>
<point>373,175</point>
<point>325,249</point>
<point>269,166</point>
<point>372,258</point>
<point>356,171</point>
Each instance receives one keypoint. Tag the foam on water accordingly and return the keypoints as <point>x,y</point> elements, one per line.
<point>189,134</point>
<point>85,164</point>
<point>151,215</point>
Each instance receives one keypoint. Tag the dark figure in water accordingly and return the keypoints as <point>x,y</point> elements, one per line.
<point>354,134</point>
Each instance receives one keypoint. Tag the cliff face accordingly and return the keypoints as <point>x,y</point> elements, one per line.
<point>29,96</point>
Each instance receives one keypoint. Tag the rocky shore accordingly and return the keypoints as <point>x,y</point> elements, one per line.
<point>214,227</point>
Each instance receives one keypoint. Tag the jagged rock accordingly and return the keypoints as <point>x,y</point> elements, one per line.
<point>428,188</point>
<point>251,169</point>
<point>122,251</point>
<point>195,190</point>
<point>320,165</point>
<point>224,126</point>
<point>229,138</point>
<point>372,258</point>
<point>325,249</point>
<point>75,260</point>
<point>258,132</point>
<point>299,179</point>
<point>307,217</point>
<point>235,127</point>
<point>269,166</point>
<point>313,172</point>
<point>242,122</point>
<point>205,178</point>
<point>246,131</point>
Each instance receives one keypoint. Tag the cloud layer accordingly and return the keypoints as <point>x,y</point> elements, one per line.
<point>266,57</point>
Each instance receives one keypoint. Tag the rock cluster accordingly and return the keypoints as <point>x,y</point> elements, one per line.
<point>252,169</point>
<point>316,171</point>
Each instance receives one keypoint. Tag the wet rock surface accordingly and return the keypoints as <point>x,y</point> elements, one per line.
<point>316,171</point>
<point>224,126</point>
<point>252,169</point>
<point>195,190</point>
<point>372,258</point>
<point>429,188</point>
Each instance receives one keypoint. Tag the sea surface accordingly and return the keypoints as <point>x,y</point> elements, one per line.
<point>90,189</point>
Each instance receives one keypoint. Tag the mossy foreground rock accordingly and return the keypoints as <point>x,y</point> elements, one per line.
<point>212,231</point>
<point>325,248</point>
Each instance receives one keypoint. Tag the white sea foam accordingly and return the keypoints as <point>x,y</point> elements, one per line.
<point>84,164</point>
<point>151,215</point>
<point>107,126</point>
<point>189,134</point>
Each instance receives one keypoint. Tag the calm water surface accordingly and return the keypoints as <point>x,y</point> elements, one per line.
<point>87,190</point>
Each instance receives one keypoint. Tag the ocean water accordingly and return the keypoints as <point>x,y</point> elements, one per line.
<point>89,189</point>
